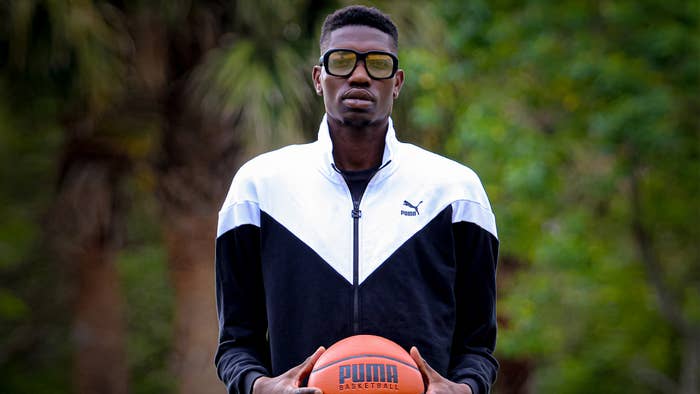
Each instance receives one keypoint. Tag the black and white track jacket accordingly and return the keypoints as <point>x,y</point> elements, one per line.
<point>298,266</point>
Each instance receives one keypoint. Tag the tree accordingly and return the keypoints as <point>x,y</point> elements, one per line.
<point>78,52</point>
<point>222,100</point>
<point>130,71</point>
<point>578,116</point>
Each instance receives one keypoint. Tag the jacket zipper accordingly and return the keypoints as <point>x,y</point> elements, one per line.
<point>356,214</point>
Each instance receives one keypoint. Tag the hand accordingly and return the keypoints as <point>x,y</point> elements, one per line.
<point>289,382</point>
<point>434,382</point>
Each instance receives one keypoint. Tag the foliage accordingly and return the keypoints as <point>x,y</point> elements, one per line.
<point>583,123</point>
<point>260,73</point>
<point>32,301</point>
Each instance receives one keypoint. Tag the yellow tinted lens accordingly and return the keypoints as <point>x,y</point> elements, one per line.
<point>341,62</point>
<point>379,65</point>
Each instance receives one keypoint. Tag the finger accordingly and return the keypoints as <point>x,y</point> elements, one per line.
<point>317,354</point>
<point>307,366</point>
<point>311,360</point>
<point>423,367</point>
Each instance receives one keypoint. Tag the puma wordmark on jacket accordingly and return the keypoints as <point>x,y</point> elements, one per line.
<point>299,264</point>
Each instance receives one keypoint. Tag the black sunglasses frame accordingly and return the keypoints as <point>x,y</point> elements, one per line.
<point>323,61</point>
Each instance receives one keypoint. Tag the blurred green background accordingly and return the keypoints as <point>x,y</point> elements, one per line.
<point>122,124</point>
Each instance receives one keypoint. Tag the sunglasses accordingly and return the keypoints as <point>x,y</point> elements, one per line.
<point>342,63</point>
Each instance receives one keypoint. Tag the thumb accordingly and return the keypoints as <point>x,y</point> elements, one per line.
<point>308,364</point>
<point>423,367</point>
<point>314,357</point>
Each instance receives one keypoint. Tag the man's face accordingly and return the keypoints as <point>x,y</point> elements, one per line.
<point>358,100</point>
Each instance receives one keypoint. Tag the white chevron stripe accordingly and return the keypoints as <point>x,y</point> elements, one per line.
<point>294,187</point>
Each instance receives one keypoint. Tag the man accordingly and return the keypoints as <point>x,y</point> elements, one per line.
<point>355,233</point>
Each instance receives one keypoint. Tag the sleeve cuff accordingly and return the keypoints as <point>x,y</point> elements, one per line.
<point>472,385</point>
<point>250,379</point>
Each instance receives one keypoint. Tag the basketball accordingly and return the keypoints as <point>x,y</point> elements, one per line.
<point>364,364</point>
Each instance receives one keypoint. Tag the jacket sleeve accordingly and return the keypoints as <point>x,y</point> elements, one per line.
<point>243,352</point>
<point>472,361</point>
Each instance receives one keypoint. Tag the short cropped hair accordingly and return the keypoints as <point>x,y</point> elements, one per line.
<point>355,15</point>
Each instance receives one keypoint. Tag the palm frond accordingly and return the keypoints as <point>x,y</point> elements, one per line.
<point>270,98</point>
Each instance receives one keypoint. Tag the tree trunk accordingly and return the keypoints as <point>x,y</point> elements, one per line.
<point>190,245</point>
<point>193,170</point>
<point>98,330</point>
<point>690,365</point>
<point>198,160</point>
<point>669,304</point>
<point>85,233</point>
<point>515,374</point>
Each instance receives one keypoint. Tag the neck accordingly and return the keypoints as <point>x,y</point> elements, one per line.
<point>357,148</point>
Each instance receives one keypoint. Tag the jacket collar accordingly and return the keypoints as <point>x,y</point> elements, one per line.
<point>389,158</point>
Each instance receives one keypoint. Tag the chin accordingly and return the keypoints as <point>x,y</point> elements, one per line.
<point>357,119</point>
<point>356,123</point>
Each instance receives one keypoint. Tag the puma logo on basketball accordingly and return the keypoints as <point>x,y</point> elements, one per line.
<point>368,376</point>
<point>414,207</point>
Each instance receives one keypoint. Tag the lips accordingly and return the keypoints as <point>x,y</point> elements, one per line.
<point>358,100</point>
<point>358,94</point>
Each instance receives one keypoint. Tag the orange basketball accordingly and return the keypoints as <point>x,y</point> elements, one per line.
<point>364,364</point>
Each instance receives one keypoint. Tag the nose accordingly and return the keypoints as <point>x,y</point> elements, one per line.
<point>359,75</point>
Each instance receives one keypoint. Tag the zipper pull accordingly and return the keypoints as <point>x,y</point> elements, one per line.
<point>356,213</point>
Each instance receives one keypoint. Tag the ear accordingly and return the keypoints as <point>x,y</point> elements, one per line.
<point>316,77</point>
<point>398,83</point>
